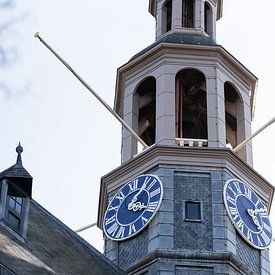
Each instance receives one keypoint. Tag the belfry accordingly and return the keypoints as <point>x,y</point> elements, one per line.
<point>187,204</point>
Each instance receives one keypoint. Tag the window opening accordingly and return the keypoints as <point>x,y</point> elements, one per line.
<point>207,18</point>
<point>16,203</point>
<point>14,209</point>
<point>193,211</point>
<point>168,15</point>
<point>191,105</point>
<point>146,93</point>
<point>13,220</point>
<point>188,13</point>
<point>231,114</point>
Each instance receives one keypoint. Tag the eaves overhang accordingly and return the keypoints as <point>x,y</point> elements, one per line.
<point>187,157</point>
<point>199,255</point>
<point>158,50</point>
<point>20,178</point>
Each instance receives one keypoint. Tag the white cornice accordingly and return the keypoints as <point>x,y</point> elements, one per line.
<point>159,50</point>
<point>183,157</point>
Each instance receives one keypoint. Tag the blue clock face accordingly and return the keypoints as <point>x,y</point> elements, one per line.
<point>248,214</point>
<point>132,207</point>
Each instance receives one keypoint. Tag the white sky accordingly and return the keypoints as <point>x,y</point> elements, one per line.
<point>69,139</point>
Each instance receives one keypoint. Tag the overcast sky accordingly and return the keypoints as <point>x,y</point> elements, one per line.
<point>69,139</point>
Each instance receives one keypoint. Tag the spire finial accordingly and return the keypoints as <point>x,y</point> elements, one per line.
<point>19,150</point>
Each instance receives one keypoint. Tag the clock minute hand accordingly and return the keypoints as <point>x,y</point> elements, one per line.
<point>133,205</point>
<point>140,190</point>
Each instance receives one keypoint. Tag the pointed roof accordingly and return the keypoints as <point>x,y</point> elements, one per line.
<point>18,174</point>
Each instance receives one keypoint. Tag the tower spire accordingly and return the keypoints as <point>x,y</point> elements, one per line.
<point>18,174</point>
<point>19,150</point>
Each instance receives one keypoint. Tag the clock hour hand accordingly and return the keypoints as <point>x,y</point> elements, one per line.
<point>253,214</point>
<point>260,210</point>
<point>134,205</point>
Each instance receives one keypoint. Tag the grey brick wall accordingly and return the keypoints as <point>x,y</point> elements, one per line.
<point>193,271</point>
<point>223,236</point>
<point>193,235</point>
<point>169,231</point>
<point>163,267</point>
<point>248,255</point>
<point>161,228</point>
<point>133,249</point>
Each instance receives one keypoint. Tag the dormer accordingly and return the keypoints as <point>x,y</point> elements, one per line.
<point>15,191</point>
<point>189,17</point>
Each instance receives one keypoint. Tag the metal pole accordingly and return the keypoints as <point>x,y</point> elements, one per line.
<point>37,35</point>
<point>242,144</point>
<point>86,227</point>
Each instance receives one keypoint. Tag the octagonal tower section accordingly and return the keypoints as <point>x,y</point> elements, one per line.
<point>185,91</point>
<point>189,17</point>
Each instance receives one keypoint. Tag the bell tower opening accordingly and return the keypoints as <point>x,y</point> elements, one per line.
<point>186,17</point>
<point>167,16</point>
<point>208,18</point>
<point>188,11</point>
<point>233,115</point>
<point>191,105</point>
<point>145,102</point>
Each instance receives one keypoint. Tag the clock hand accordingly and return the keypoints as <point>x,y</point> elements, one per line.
<point>133,205</point>
<point>136,206</point>
<point>260,210</point>
<point>253,214</point>
<point>139,192</point>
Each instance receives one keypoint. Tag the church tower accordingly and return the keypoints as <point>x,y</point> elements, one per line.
<point>187,204</point>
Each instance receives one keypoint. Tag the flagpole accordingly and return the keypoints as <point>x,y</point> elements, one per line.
<point>85,227</point>
<point>243,143</point>
<point>85,84</point>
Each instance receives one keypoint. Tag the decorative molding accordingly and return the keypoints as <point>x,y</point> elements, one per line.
<point>187,157</point>
<point>164,50</point>
<point>201,256</point>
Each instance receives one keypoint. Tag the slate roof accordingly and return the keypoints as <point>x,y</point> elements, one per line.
<point>19,174</point>
<point>17,170</point>
<point>51,248</point>
<point>179,39</point>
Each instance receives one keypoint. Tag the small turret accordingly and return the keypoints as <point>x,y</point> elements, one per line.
<point>16,192</point>
<point>186,17</point>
